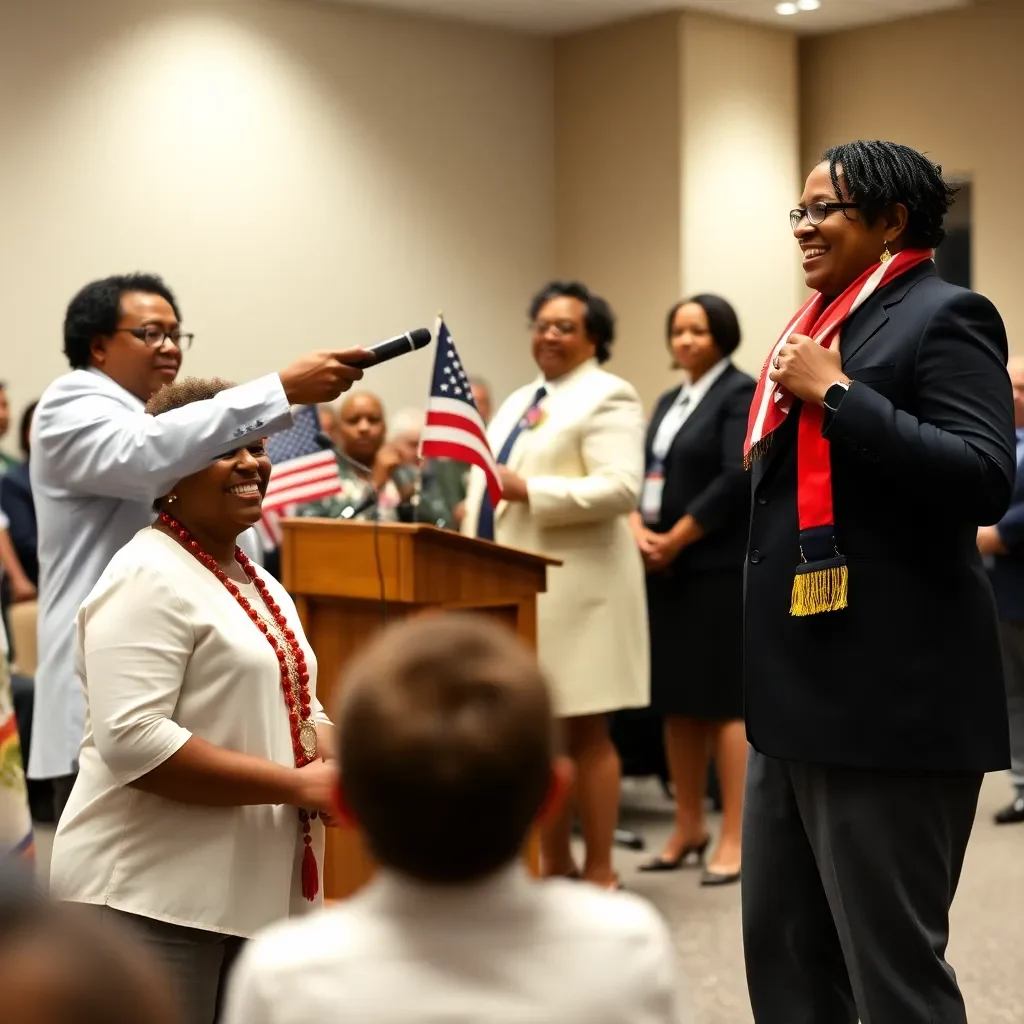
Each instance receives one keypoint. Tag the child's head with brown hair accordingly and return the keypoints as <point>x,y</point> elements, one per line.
<point>447,747</point>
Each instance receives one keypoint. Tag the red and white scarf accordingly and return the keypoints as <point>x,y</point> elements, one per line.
<point>821,578</point>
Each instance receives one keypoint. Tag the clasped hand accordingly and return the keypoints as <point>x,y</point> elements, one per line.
<point>657,549</point>
<point>805,369</point>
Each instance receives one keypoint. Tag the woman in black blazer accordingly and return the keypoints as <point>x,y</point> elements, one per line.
<point>881,437</point>
<point>691,530</point>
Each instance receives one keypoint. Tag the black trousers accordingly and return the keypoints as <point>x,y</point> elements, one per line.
<point>848,877</point>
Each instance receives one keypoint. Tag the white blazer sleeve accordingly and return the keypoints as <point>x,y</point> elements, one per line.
<point>136,642</point>
<point>613,453</point>
<point>94,445</point>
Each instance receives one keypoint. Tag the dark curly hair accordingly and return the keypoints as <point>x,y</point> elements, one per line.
<point>880,174</point>
<point>185,392</point>
<point>599,322</point>
<point>95,310</point>
<point>722,321</point>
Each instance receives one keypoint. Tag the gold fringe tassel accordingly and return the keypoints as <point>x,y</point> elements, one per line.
<point>823,590</point>
<point>758,451</point>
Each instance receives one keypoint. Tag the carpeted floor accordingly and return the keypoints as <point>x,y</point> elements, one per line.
<point>987,948</point>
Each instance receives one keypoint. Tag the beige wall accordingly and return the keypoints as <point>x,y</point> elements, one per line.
<point>740,174</point>
<point>677,161</point>
<point>951,85</point>
<point>617,193</point>
<point>304,176</point>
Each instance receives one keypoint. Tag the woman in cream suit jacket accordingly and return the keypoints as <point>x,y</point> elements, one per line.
<point>570,447</point>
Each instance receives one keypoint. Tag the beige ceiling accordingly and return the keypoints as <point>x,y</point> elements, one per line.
<point>555,17</point>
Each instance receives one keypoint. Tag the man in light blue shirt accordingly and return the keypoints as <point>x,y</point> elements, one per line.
<point>98,463</point>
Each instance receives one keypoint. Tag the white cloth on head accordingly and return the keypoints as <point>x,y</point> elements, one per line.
<point>506,951</point>
<point>98,464</point>
<point>165,652</point>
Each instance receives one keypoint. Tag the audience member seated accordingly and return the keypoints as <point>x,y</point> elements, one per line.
<point>448,757</point>
<point>200,770</point>
<point>6,461</point>
<point>17,504</point>
<point>56,967</point>
<point>15,821</point>
<point>367,465</point>
<point>426,480</point>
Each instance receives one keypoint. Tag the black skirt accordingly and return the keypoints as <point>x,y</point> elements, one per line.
<point>696,622</point>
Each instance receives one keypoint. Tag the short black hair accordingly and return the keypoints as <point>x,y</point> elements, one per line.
<point>880,174</point>
<point>95,310</point>
<point>599,321</point>
<point>722,321</point>
<point>25,427</point>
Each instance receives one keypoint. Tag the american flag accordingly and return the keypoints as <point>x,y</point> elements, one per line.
<point>302,471</point>
<point>454,429</point>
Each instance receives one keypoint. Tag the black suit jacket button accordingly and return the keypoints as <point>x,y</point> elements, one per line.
<point>762,500</point>
<point>755,556</point>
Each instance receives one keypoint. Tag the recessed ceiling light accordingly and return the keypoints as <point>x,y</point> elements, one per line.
<point>808,5</point>
<point>786,8</point>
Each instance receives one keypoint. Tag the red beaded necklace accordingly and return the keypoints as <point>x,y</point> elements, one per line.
<point>294,674</point>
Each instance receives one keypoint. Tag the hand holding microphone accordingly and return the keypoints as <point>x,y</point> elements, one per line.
<point>322,376</point>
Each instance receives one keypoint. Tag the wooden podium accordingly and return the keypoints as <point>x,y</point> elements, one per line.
<point>349,578</point>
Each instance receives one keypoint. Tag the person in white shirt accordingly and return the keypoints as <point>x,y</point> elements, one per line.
<point>201,777</point>
<point>98,462</point>
<point>447,758</point>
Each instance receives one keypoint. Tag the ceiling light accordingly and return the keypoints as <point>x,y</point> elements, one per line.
<point>808,5</point>
<point>786,8</point>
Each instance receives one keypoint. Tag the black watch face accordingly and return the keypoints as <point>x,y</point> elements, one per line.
<point>834,396</point>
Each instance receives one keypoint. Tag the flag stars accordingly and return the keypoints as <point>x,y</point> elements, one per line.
<point>444,387</point>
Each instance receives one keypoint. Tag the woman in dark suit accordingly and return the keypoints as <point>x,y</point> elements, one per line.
<point>691,530</point>
<point>881,437</point>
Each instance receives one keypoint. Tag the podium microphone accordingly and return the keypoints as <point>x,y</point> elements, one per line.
<point>324,441</point>
<point>411,341</point>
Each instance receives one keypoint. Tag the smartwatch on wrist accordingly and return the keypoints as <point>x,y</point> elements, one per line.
<point>834,395</point>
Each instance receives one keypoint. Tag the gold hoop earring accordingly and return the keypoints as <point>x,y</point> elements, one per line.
<point>171,497</point>
<point>886,255</point>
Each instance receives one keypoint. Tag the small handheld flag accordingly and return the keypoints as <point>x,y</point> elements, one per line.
<point>454,428</point>
<point>303,471</point>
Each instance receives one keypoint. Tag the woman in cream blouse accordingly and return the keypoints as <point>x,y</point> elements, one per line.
<point>190,817</point>
<point>571,447</point>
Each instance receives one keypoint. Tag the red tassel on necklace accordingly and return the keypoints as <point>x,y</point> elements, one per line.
<point>310,874</point>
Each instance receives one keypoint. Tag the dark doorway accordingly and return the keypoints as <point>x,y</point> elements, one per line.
<point>953,257</point>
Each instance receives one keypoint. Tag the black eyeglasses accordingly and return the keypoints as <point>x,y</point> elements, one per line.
<point>154,336</point>
<point>816,212</point>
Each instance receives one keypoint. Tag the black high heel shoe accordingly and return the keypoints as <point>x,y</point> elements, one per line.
<point>694,850</point>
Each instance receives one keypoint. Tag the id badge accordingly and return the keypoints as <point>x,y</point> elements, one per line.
<point>650,498</point>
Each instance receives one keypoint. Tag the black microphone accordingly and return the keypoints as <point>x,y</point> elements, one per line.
<point>398,346</point>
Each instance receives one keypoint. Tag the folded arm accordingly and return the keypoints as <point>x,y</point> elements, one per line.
<point>89,443</point>
<point>961,441</point>
<point>613,454</point>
